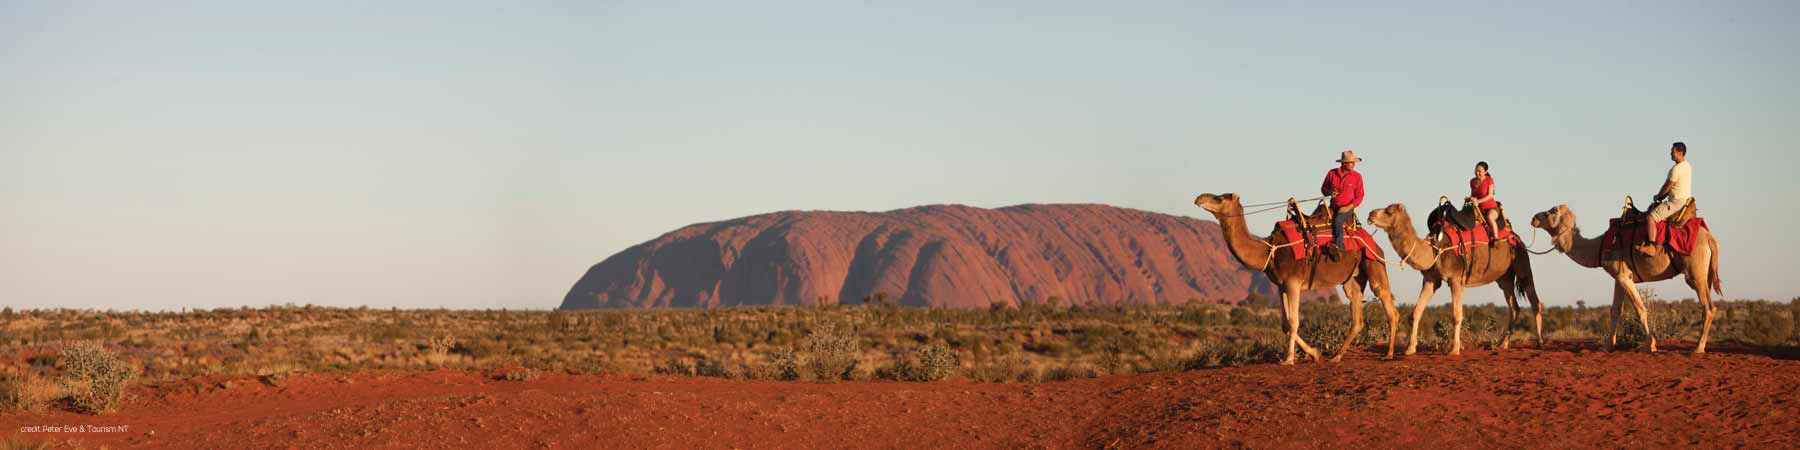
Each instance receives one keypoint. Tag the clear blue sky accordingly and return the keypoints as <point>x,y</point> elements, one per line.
<point>483,155</point>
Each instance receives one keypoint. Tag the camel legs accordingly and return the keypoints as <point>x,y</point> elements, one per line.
<point>1506,284</point>
<point>1456,314</point>
<point>1637,300</point>
<point>1537,307</point>
<point>1412,335</point>
<point>1353,291</point>
<point>1290,314</point>
<point>1698,278</point>
<point>1617,301</point>
<point>1377,282</point>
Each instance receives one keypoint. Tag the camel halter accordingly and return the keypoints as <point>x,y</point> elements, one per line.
<point>1533,243</point>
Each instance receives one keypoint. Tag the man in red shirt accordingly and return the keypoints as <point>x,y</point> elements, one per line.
<point>1345,187</point>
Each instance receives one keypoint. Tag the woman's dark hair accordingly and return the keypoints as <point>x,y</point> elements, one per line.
<point>1482,165</point>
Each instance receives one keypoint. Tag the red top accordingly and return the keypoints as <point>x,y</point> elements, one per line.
<point>1481,188</point>
<point>1345,186</point>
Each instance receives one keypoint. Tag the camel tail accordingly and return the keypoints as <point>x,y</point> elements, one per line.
<point>1712,276</point>
<point>1522,280</point>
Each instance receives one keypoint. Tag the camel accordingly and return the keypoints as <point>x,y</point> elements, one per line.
<point>1504,265</point>
<point>1292,277</point>
<point>1701,268</point>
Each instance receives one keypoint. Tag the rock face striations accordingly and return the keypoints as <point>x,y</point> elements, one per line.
<point>941,256</point>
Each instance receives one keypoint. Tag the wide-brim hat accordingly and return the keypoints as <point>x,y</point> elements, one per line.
<point>1348,156</point>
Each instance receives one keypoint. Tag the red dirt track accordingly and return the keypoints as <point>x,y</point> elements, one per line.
<point>1571,396</point>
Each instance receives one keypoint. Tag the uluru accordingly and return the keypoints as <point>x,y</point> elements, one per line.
<point>936,256</point>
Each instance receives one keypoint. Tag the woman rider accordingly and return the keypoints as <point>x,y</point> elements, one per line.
<point>1481,193</point>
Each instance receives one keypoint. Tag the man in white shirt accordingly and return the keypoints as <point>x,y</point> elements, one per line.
<point>1676,190</point>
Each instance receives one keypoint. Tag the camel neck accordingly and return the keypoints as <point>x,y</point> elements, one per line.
<point>1406,240</point>
<point>1253,253</point>
<point>1585,252</point>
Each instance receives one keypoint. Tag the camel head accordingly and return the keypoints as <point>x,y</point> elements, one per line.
<point>1555,220</point>
<point>1389,217</point>
<point>1219,204</point>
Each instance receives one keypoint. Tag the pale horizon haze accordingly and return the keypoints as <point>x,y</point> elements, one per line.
<point>161,155</point>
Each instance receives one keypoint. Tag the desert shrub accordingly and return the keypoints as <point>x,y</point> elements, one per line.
<point>441,345</point>
<point>1213,354</point>
<point>1667,323</point>
<point>784,364</point>
<point>1768,329</point>
<point>1325,329</point>
<point>713,367</point>
<point>516,374</point>
<point>25,392</point>
<point>95,379</point>
<point>1482,328</point>
<point>21,443</point>
<point>275,376</point>
<point>830,353</point>
<point>928,363</point>
<point>1001,370</point>
<point>1068,372</point>
<point>674,366</point>
<point>478,348</point>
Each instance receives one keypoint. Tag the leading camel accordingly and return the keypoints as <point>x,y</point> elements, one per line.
<point>1479,265</point>
<point>1701,267</point>
<point>1293,276</point>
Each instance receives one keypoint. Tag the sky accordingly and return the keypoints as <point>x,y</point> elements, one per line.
<point>161,155</point>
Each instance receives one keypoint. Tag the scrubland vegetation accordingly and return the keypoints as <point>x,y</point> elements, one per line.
<point>86,360</point>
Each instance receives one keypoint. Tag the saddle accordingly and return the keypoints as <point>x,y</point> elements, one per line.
<point>1320,219</point>
<point>1626,231</point>
<point>1631,215</point>
<point>1313,232</point>
<point>1465,219</point>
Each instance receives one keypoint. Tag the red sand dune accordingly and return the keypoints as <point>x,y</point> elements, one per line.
<point>1567,397</point>
<point>955,256</point>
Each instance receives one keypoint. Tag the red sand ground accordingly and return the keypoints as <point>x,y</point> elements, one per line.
<point>1571,396</point>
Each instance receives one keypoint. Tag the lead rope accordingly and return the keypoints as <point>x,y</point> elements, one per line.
<point>1533,243</point>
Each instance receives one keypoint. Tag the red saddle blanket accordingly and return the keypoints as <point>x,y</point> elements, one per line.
<point>1461,240</point>
<point>1680,239</point>
<point>1357,239</point>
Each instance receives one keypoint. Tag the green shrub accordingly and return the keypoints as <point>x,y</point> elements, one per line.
<point>95,379</point>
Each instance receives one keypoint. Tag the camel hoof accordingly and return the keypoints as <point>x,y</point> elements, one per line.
<point>1699,351</point>
<point>1505,345</point>
<point>1456,352</point>
<point>1287,362</point>
<point>1388,357</point>
<point>1337,358</point>
<point>1411,351</point>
